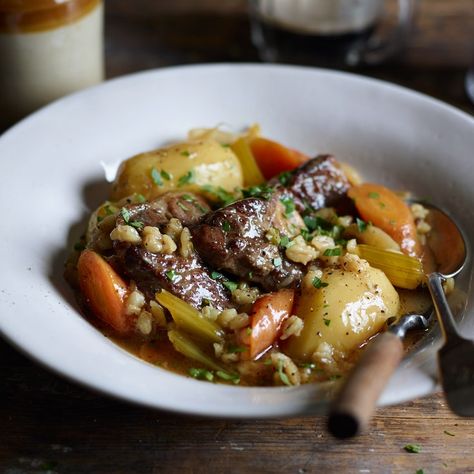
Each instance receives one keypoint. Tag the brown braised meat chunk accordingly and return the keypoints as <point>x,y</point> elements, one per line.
<point>186,277</point>
<point>318,183</point>
<point>232,239</point>
<point>187,207</point>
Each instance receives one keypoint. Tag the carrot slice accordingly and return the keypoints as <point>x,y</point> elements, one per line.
<point>105,292</point>
<point>273,158</point>
<point>384,209</point>
<point>267,315</point>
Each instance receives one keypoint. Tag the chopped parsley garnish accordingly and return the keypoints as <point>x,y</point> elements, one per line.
<point>373,195</point>
<point>230,285</point>
<point>285,177</point>
<point>224,196</point>
<point>308,365</point>
<point>277,262</point>
<point>165,175</point>
<point>182,206</point>
<point>226,226</point>
<point>250,275</point>
<point>201,374</point>
<point>336,232</point>
<point>171,275</point>
<point>382,205</point>
<point>310,222</point>
<point>318,283</point>
<point>322,227</point>
<point>361,225</point>
<point>262,191</point>
<point>317,223</point>
<point>216,275</point>
<point>126,217</point>
<point>140,198</point>
<point>412,448</point>
<point>289,204</point>
<point>225,145</point>
<point>335,252</point>
<point>125,214</point>
<point>248,331</point>
<point>327,322</point>
<point>193,200</point>
<point>185,153</point>
<point>308,208</point>
<point>283,377</point>
<point>285,242</point>
<point>110,210</point>
<point>204,374</point>
<point>229,377</point>
<point>186,178</point>
<point>306,234</point>
<point>156,177</point>
<point>236,349</point>
<point>420,471</point>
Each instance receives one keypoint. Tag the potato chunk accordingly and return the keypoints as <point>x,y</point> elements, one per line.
<point>345,313</point>
<point>185,166</point>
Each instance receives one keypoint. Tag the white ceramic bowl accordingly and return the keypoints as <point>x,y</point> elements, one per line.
<point>52,177</point>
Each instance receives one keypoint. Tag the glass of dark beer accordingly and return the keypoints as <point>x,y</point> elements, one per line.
<point>329,33</point>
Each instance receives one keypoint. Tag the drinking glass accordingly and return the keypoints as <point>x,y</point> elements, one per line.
<point>328,32</point>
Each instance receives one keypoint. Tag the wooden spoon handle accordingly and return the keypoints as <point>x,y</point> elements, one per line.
<point>352,408</point>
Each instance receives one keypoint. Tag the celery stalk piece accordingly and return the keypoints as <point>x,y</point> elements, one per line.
<point>189,319</point>
<point>402,270</point>
<point>190,349</point>
<point>252,174</point>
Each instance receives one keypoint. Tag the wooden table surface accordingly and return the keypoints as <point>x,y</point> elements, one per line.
<point>51,424</point>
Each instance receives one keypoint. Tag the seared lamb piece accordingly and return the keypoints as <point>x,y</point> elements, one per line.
<point>187,277</point>
<point>318,183</point>
<point>184,276</point>
<point>233,239</point>
<point>186,207</point>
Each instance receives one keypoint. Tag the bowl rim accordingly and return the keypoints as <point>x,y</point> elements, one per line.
<point>321,406</point>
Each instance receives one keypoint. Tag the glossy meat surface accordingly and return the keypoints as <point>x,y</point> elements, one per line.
<point>233,239</point>
<point>186,277</point>
<point>318,183</point>
<point>185,206</point>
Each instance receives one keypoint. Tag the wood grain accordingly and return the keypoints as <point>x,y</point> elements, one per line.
<point>48,422</point>
<point>144,34</point>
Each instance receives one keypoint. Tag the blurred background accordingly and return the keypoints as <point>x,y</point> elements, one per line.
<point>50,48</point>
<point>145,34</point>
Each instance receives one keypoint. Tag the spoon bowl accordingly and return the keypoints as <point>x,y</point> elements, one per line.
<point>447,235</point>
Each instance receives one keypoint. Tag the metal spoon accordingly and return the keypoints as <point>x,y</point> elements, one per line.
<point>353,406</point>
